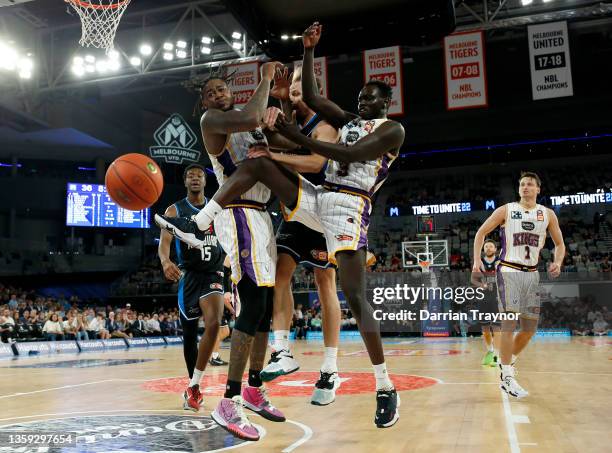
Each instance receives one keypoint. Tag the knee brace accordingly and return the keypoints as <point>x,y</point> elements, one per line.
<point>253,306</point>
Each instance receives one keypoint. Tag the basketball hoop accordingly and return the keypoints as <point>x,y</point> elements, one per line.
<point>424,266</point>
<point>99,20</point>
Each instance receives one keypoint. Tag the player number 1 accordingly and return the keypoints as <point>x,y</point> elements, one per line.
<point>527,253</point>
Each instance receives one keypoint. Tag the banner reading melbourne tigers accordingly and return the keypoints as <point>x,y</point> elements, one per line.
<point>320,70</point>
<point>385,64</point>
<point>549,57</point>
<point>464,63</point>
<point>244,81</point>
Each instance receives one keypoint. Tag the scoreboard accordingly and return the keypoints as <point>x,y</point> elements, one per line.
<point>89,205</point>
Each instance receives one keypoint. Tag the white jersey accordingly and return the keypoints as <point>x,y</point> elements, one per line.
<point>523,234</point>
<point>366,176</point>
<point>235,151</point>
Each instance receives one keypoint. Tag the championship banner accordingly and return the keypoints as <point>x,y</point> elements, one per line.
<point>244,81</point>
<point>320,70</point>
<point>551,73</point>
<point>464,64</point>
<point>385,64</point>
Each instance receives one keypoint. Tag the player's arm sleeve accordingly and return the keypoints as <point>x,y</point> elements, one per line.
<point>555,233</point>
<point>388,138</point>
<point>165,238</point>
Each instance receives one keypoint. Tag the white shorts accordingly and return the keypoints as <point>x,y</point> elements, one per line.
<point>518,292</point>
<point>247,236</point>
<point>341,216</point>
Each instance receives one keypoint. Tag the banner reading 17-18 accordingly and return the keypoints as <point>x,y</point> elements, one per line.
<point>466,78</point>
<point>386,65</point>
<point>551,73</point>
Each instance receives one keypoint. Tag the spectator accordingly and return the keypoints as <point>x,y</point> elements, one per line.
<point>13,302</point>
<point>81,327</point>
<point>600,326</point>
<point>97,328</point>
<point>69,326</point>
<point>153,325</point>
<point>7,329</point>
<point>53,328</point>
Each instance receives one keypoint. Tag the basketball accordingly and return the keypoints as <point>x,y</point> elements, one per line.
<point>134,181</point>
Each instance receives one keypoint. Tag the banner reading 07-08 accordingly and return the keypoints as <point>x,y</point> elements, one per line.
<point>466,78</point>
<point>244,81</point>
<point>385,64</point>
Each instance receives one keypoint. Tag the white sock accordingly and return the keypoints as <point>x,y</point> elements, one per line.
<point>514,357</point>
<point>507,370</point>
<point>281,340</point>
<point>215,355</point>
<point>207,214</point>
<point>491,348</point>
<point>382,377</point>
<point>329,362</point>
<point>197,377</point>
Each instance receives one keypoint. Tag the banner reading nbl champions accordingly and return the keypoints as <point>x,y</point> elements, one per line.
<point>385,64</point>
<point>466,78</point>
<point>551,73</point>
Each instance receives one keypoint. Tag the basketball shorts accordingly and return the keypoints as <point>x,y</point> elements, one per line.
<point>193,286</point>
<point>247,237</point>
<point>302,244</point>
<point>342,217</point>
<point>489,305</point>
<point>518,292</point>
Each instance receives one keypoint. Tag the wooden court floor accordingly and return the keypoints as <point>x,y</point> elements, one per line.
<point>449,402</point>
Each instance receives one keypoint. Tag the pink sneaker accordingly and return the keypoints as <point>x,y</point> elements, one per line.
<point>255,398</point>
<point>229,415</point>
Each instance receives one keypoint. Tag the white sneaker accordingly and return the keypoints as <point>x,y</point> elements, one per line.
<point>511,387</point>
<point>325,389</point>
<point>281,363</point>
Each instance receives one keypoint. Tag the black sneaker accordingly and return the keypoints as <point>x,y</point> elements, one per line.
<point>217,362</point>
<point>387,402</point>
<point>182,228</point>
<point>324,392</point>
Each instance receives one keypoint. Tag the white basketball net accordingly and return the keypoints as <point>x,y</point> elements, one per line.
<point>99,19</point>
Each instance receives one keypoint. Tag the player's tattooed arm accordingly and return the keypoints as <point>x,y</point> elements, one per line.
<point>555,233</point>
<point>328,110</point>
<point>496,219</point>
<point>250,117</point>
<point>171,270</point>
<point>388,138</point>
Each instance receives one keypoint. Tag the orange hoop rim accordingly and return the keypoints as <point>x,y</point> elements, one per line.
<point>89,5</point>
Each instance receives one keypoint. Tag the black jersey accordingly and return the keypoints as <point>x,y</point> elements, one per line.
<point>208,260</point>
<point>316,178</point>
<point>488,269</point>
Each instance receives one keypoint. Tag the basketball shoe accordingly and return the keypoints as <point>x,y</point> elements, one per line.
<point>509,383</point>
<point>182,228</point>
<point>230,416</point>
<point>217,361</point>
<point>281,363</point>
<point>488,358</point>
<point>325,389</point>
<point>192,398</point>
<point>387,403</point>
<point>256,399</point>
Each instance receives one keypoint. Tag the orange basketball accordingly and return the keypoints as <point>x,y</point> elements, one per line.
<point>134,181</point>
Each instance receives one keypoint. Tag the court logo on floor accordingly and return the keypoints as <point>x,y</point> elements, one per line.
<point>295,384</point>
<point>136,433</point>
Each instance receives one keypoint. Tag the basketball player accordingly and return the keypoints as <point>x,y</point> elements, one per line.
<point>245,231</point>
<point>296,244</point>
<point>341,207</point>
<point>523,233</point>
<point>200,277</point>
<point>490,330</point>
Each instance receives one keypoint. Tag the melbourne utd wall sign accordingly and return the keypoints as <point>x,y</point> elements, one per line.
<point>175,140</point>
<point>141,433</point>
